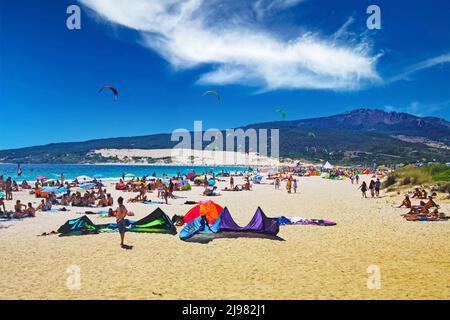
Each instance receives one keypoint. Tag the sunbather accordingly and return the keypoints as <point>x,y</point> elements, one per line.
<point>431,203</point>
<point>406,202</point>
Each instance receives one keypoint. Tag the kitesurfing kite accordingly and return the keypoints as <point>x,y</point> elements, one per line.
<point>282,112</point>
<point>114,91</point>
<point>311,134</point>
<point>214,93</point>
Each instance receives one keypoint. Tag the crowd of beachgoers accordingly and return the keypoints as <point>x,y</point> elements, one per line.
<point>60,194</point>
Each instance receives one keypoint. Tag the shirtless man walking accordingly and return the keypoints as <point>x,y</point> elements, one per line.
<point>121,213</point>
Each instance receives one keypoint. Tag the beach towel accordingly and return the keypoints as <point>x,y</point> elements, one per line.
<point>56,210</point>
<point>98,212</point>
<point>154,202</point>
<point>303,221</point>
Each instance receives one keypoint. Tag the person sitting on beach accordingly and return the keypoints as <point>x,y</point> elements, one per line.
<point>417,194</point>
<point>31,211</point>
<point>424,194</point>
<point>103,202</point>
<point>109,199</point>
<point>2,205</point>
<point>431,203</point>
<point>18,212</point>
<point>25,185</point>
<point>65,200</point>
<point>45,205</point>
<point>406,202</point>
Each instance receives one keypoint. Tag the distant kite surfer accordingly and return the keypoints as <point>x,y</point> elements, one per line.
<point>19,170</point>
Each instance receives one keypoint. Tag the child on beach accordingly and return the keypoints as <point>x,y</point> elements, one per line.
<point>295,185</point>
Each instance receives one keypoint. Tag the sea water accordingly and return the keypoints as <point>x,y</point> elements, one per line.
<point>104,172</point>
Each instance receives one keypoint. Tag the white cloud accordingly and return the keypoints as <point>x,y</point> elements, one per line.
<point>429,63</point>
<point>420,109</point>
<point>263,7</point>
<point>192,33</point>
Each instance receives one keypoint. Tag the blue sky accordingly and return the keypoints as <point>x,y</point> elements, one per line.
<point>309,57</point>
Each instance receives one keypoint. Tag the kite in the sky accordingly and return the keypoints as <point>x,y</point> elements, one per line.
<point>214,93</point>
<point>282,112</point>
<point>114,91</point>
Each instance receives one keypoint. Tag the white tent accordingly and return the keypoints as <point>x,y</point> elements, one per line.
<point>328,166</point>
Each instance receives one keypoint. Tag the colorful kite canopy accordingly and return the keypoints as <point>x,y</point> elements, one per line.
<point>214,93</point>
<point>208,208</point>
<point>114,91</point>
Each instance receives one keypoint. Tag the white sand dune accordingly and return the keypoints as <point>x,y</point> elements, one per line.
<point>311,263</point>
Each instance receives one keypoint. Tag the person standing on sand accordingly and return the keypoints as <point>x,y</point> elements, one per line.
<point>377,187</point>
<point>121,213</point>
<point>8,189</point>
<point>372,188</point>
<point>363,188</point>
<point>62,179</point>
<point>357,179</point>
<point>231,183</point>
<point>295,185</point>
<point>289,185</point>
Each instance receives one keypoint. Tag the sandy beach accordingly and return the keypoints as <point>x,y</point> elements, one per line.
<point>311,263</point>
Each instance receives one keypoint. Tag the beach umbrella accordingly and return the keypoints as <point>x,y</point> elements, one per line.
<point>41,178</point>
<point>78,189</point>
<point>130,175</point>
<point>84,178</point>
<point>50,180</point>
<point>2,194</point>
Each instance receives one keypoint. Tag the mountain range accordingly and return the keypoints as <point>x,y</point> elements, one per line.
<point>360,136</point>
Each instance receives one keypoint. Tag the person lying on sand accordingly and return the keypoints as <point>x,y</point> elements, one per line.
<point>138,198</point>
<point>112,213</point>
<point>406,202</point>
<point>430,216</point>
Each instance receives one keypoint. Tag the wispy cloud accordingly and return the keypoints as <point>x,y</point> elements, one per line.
<point>429,63</point>
<point>420,109</point>
<point>263,7</point>
<point>192,33</point>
